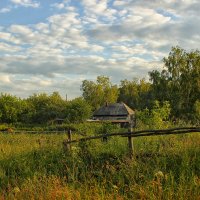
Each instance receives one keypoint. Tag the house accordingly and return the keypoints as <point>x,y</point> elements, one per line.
<point>115,113</point>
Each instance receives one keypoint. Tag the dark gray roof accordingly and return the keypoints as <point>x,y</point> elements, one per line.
<point>114,109</point>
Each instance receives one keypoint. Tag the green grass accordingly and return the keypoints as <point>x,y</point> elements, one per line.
<point>36,167</point>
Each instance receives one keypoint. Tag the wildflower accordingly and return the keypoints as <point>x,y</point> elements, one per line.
<point>115,187</point>
<point>74,150</point>
<point>159,174</point>
<point>16,190</point>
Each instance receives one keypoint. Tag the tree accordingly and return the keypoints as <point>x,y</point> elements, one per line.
<point>157,117</point>
<point>42,108</point>
<point>99,92</point>
<point>179,81</point>
<point>197,111</point>
<point>78,110</point>
<point>56,106</point>
<point>10,108</point>
<point>137,94</point>
<point>128,92</point>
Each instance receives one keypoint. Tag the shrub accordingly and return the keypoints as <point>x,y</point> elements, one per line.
<point>158,117</point>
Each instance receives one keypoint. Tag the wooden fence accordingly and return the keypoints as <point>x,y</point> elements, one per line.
<point>131,134</point>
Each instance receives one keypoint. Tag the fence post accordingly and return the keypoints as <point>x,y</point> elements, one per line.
<point>69,135</point>
<point>105,139</point>
<point>130,143</point>
<point>66,146</point>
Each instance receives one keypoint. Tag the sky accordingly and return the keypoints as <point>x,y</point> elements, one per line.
<point>53,45</point>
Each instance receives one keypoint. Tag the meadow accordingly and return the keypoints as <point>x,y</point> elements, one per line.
<point>35,166</point>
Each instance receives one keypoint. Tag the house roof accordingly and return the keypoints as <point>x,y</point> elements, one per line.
<point>114,109</point>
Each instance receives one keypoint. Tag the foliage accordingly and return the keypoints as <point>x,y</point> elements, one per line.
<point>157,117</point>
<point>10,108</point>
<point>99,92</point>
<point>197,111</point>
<point>78,110</point>
<point>42,108</point>
<point>107,128</point>
<point>136,94</point>
<point>179,81</point>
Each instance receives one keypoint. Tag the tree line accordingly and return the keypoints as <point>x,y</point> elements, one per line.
<point>177,85</point>
<point>42,108</point>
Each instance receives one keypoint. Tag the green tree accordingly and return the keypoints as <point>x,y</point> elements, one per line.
<point>99,92</point>
<point>137,94</point>
<point>78,110</point>
<point>10,108</point>
<point>129,93</point>
<point>158,116</point>
<point>160,85</point>
<point>179,81</point>
<point>43,107</point>
<point>145,94</point>
<point>197,111</point>
<point>56,105</point>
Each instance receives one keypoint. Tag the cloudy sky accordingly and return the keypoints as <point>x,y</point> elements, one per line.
<point>53,45</point>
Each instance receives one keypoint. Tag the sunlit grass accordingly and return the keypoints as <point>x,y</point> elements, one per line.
<point>36,167</point>
<point>13,144</point>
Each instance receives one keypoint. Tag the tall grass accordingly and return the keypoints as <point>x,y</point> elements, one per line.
<point>37,167</point>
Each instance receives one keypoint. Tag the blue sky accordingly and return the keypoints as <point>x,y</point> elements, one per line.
<point>51,45</point>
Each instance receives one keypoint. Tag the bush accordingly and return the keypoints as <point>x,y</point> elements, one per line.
<point>158,117</point>
<point>78,110</point>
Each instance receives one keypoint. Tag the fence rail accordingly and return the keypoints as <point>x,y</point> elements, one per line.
<point>33,132</point>
<point>131,134</point>
<point>141,133</point>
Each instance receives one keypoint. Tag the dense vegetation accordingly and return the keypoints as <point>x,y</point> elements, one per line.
<point>178,84</point>
<point>35,166</point>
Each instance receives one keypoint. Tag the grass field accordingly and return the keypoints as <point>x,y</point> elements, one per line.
<point>36,167</point>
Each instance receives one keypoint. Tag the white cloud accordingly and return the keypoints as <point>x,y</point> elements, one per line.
<point>24,30</point>
<point>45,83</point>
<point>119,3</point>
<point>5,79</point>
<point>9,48</point>
<point>5,35</point>
<point>43,28</point>
<point>65,20</point>
<point>125,40</point>
<point>58,5</point>
<point>26,3</point>
<point>99,10</point>
<point>26,85</point>
<point>96,48</point>
<point>5,10</point>
<point>131,50</point>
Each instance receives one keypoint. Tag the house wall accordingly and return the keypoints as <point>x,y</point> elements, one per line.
<point>111,118</point>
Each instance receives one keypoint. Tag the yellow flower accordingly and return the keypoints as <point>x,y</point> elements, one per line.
<point>159,174</point>
<point>16,190</point>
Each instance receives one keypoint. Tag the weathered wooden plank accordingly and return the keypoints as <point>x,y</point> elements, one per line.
<point>143,133</point>
<point>166,133</point>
